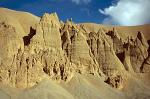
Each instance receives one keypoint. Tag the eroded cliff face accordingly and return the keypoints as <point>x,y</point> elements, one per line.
<point>57,50</point>
<point>118,56</point>
<point>39,55</point>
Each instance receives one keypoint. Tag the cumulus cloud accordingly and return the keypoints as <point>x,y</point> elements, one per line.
<point>127,12</point>
<point>81,1</point>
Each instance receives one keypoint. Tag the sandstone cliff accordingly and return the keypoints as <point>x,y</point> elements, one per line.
<point>77,55</point>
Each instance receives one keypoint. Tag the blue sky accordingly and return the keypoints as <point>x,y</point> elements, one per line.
<point>120,12</point>
<point>79,11</point>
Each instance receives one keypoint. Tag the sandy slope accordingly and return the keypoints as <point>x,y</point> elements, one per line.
<point>90,87</point>
<point>22,21</point>
<point>80,87</point>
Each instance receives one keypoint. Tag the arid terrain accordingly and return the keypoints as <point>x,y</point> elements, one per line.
<point>46,58</point>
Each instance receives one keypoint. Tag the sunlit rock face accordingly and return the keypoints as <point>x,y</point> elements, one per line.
<point>73,57</point>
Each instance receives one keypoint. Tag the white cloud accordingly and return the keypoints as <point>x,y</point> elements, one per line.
<point>81,1</point>
<point>128,12</point>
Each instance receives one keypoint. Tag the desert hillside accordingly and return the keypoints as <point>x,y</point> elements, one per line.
<point>45,58</point>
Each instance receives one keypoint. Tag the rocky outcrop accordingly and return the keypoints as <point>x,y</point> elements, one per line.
<point>10,42</point>
<point>58,50</point>
<point>47,41</point>
<point>77,50</point>
<point>138,52</point>
<point>145,68</point>
<point>102,47</point>
<point>47,32</point>
<point>39,54</point>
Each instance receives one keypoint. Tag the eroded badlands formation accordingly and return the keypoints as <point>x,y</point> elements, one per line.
<point>45,58</point>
